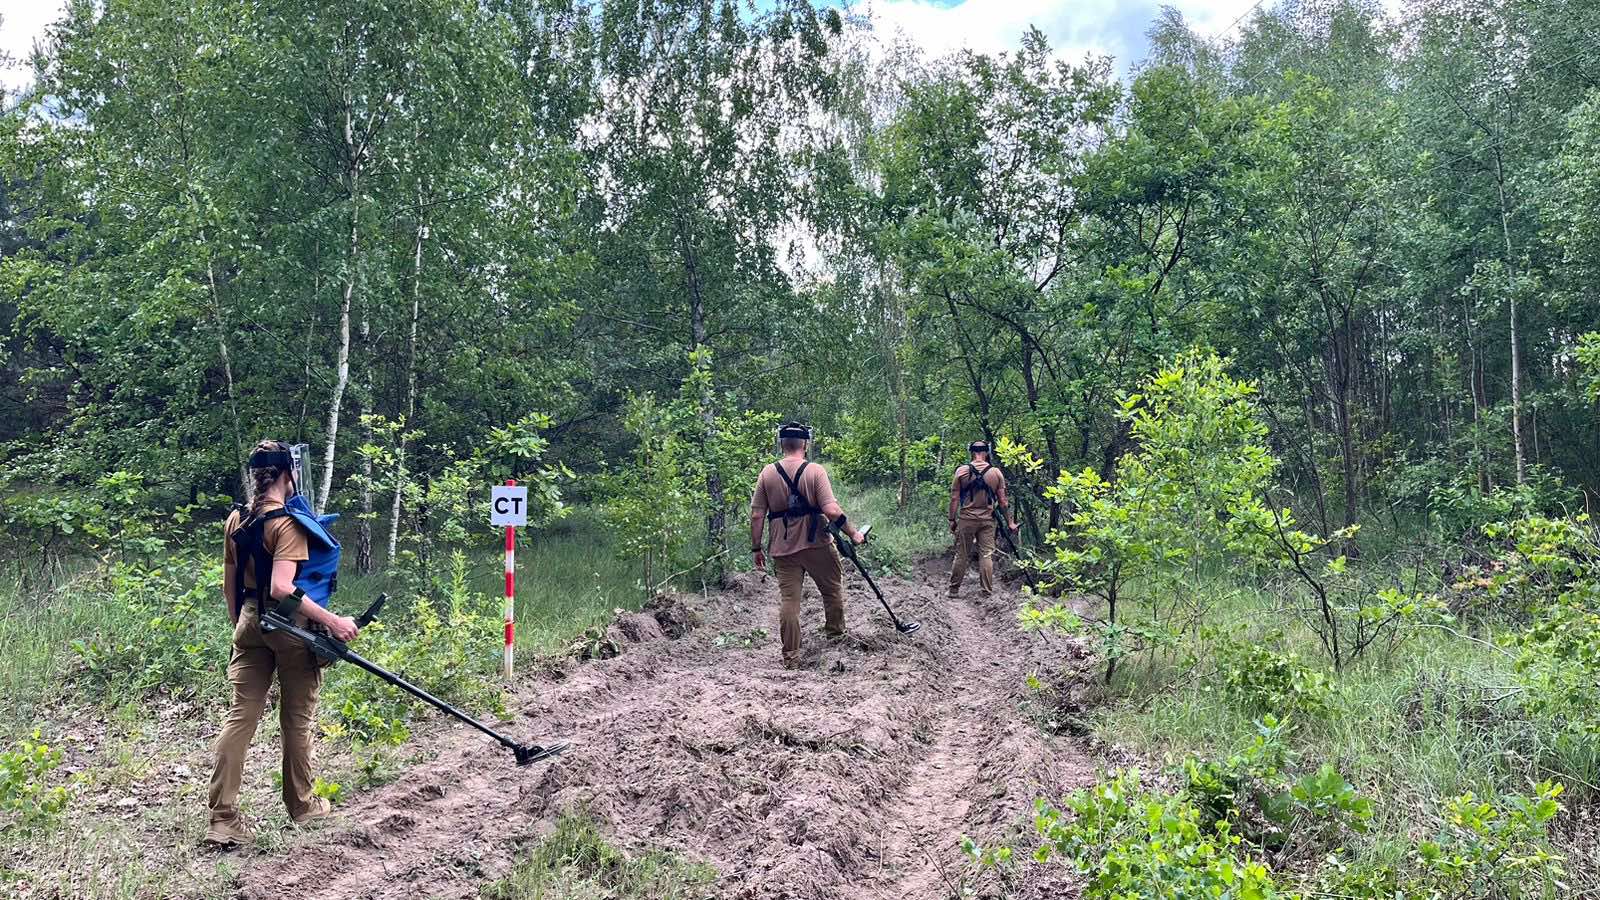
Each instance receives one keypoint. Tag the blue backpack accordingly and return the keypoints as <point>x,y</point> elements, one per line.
<point>318,576</point>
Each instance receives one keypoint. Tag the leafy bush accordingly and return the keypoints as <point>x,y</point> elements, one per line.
<point>1131,842</point>
<point>659,504</point>
<point>1268,806</point>
<point>451,653</point>
<point>1558,658</point>
<point>26,798</point>
<point>1262,679</point>
<point>1484,849</point>
<point>1232,817</point>
<point>867,452</point>
<point>167,632</point>
<point>1188,495</point>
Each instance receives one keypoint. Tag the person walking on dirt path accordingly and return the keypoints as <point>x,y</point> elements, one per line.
<point>796,496</point>
<point>978,487</point>
<point>256,656</point>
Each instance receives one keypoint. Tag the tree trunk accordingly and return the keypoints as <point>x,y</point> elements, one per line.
<point>364,407</point>
<point>1480,400</point>
<point>1341,376</point>
<point>352,264</point>
<point>1053,460</point>
<point>227,369</point>
<point>411,381</point>
<point>893,319</point>
<point>716,518</point>
<point>1516,350</point>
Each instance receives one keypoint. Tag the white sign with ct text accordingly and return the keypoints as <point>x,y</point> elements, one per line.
<point>508,505</point>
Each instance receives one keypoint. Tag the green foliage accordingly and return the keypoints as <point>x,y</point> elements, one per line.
<point>455,496</point>
<point>27,800</point>
<point>168,635</point>
<point>331,791</point>
<point>656,503</point>
<point>576,862</point>
<point>450,648</point>
<point>1589,355</point>
<point>1216,835</point>
<point>744,640</point>
<point>1188,495</point>
<point>1485,849</point>
<point>1265,680</point>
<point>1132,843</point>
<point>1555,570</point>
<point>867,452</point>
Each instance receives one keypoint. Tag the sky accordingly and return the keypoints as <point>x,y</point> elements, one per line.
<point>1114,27</point>
<point>1073,27</point>
<point>21,23</point>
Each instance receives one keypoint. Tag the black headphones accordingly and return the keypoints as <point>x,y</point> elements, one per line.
<point>271,459</point>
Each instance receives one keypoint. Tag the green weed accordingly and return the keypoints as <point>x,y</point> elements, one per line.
<point>576,862</point>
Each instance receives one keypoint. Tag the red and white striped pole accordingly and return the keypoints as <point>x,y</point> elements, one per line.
<point>511,590</point>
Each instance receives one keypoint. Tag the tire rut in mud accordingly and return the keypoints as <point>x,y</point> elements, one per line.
<point>854,778</point>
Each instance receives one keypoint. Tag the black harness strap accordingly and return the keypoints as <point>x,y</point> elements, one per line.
<point>977,481</point>
<point>793,511</point>
<point>251,539</point>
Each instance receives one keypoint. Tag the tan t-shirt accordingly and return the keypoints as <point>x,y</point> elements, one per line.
<point>787,536</point>
<point>283,538</point>
<point>979,507</point>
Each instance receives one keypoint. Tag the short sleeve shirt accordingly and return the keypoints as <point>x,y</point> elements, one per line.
<point>979,506</point>
<point>789,536</point>
<point>284,540</point>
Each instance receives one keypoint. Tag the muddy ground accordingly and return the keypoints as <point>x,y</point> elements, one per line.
<point>855,777</point>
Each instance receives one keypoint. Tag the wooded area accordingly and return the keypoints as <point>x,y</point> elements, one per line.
<point>1292,328</point>
<point>388,230</point>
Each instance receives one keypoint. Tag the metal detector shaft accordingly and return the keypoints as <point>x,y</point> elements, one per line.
<point>333,650</point>
<point>1016,554</point>
<point>848,549</point>
<point>345,654</point>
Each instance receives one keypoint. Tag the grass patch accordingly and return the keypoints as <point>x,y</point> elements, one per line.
<point>576,862</point>
<point>1439,717</point>
<point>899,537</point>
<point>569,577</point>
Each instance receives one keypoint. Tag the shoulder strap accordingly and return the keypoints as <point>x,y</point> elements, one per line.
<point>977,480</point>
<point>793,483</point>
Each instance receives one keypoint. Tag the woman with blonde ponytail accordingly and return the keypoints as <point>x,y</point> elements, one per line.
<point>257,656</point>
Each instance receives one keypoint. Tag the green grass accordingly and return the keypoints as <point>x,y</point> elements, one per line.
<point>576,862</point>
<point>1437,718</point>
<point>899,538</point>
<point>568,578</point>
<point>35,632</point>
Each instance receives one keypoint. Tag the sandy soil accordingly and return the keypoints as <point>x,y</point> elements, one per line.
<point>855,777</point>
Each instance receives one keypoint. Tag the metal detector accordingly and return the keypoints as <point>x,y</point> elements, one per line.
<point>1005,532</point>
<point>331,650</point>
<point>847,548</point>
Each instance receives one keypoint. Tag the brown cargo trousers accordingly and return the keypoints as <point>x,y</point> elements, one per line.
<point>255,657</point>
<point>823,565</point>
<point>969,532</point>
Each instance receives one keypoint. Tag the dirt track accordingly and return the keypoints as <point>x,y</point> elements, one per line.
<point>816,783</point>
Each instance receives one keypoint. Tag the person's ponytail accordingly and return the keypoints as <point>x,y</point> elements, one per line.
<point>263,477</point>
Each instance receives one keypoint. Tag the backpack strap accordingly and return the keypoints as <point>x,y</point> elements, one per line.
<point>791,511</point>
<point>977,480</point>
<point>251,539</point>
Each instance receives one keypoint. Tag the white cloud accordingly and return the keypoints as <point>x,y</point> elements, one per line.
<point>22,22</point>
<point>1113,28</point>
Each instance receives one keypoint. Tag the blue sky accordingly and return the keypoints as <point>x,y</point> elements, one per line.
<point>1074,27</point>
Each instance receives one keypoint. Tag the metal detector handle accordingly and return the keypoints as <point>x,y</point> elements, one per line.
<point>371,614</point>
<point>846,546</point>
